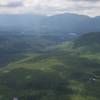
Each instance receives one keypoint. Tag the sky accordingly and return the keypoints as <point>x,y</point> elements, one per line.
<point>51,7</point>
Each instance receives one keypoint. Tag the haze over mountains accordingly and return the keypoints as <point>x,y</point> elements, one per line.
<point>49,57</point>
<point>62,23</point>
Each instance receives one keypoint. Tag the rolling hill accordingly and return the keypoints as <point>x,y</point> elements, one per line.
<point>88,42</point>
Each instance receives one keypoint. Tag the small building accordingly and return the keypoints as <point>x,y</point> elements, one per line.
<point>15,98</point>
<point>92,79</point>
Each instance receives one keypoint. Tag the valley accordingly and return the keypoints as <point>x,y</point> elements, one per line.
<point>50,67</point>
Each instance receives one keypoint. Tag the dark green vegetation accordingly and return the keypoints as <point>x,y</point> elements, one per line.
<point>47,69</point>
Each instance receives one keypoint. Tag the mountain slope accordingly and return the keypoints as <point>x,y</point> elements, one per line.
<point>88,42</point>
<point>62,23</point>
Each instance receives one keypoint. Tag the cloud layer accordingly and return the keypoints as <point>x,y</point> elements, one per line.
<point>87,7</point>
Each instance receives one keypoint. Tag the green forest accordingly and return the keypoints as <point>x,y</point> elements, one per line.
<point>47,68</point>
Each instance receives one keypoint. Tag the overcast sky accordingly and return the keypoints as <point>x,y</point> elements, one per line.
<point>49,7</point>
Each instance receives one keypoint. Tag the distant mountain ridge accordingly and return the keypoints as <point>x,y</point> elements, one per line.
<point>62,23</point>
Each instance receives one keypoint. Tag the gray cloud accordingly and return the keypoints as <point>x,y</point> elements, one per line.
<point>87,7</point>
<point>86,0</point>
<point>12,4</point>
